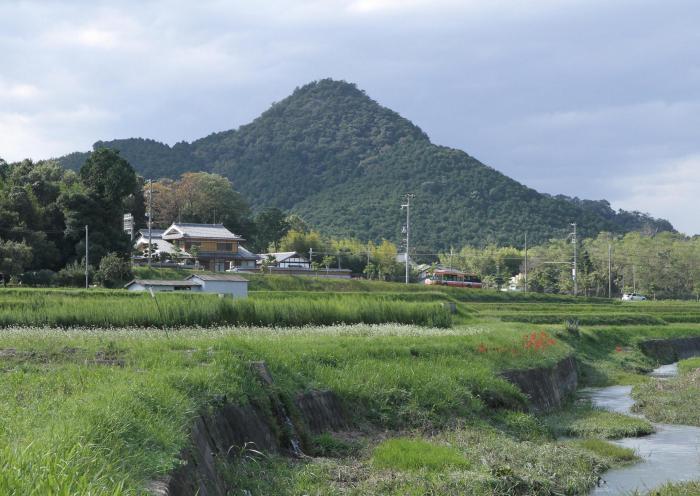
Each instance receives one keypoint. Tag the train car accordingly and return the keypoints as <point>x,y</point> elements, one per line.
<point>450,277</point>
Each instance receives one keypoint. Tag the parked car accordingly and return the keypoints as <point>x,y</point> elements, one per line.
<point>633,297</point>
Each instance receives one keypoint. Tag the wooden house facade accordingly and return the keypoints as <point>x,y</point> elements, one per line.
<point>212,245</point>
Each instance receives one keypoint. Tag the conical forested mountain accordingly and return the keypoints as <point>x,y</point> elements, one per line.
<point>343,162</point>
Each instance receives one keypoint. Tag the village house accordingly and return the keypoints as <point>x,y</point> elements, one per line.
<point>157,285</point>
<point>213,246</point>
<point>222,284</point>
<point>226,284</point>
<point>285,260</point>
<point>162,250</point>
<point>295,264</point>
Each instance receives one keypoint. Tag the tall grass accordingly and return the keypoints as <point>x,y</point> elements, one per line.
<point>74,426</point>
<point>586,318</point>
<point>123,309</point>
<point>417,454</point>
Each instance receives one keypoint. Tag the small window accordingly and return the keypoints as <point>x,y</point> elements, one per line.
<point>224,246</point>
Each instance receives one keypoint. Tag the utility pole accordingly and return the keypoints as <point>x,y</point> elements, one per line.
<point>311,257</point>
<point>609,269</point>
<point>525,261</point>
<point>573,270</point>
<point>407,206</point>
<point>86,256</point>
<point>634,278</point>
<point>451,254</point>
<point>150,217</point>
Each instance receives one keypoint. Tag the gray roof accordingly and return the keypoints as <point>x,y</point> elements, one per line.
<point>207,231</point>
<point>281,256</point>
<point>247,254</point>
<point>218,277</point>
<point>155,233</point>
<point>160,246</point>
<point>160,282</point>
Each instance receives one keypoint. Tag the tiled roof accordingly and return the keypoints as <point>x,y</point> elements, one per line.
<point>160,246</point>
<point>218,277</point>
<point>155,233</point>
<point>246,254</point>
<point>207,231</point>
<point>159,282</point>
<point>281,256</point>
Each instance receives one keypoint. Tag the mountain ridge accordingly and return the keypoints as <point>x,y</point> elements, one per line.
<point>343,162</point>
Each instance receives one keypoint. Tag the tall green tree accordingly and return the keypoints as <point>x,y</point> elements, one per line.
<point>99,201</point>
<point>14,258</point>
<point>270,226</point>
<point>303,242</point>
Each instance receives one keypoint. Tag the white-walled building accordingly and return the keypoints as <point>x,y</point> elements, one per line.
<point>159,285</point>
<point>286,260</point>
<point>227,284</point>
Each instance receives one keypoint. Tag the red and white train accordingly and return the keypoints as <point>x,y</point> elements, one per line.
<point>449,277</point>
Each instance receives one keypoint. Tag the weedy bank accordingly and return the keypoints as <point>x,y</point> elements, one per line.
<point>675,400</point>
<point>106,411</point>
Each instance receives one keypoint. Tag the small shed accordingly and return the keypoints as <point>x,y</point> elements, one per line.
<point>227,284</point>
<point>159,285</point>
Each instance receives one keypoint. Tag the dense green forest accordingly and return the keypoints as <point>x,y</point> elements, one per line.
<point>342,162</point>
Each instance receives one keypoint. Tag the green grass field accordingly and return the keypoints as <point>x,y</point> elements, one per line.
<point>100,388</point>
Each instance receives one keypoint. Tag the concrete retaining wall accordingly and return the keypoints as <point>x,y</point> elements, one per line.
<point>228,434</point>
<point>546,387</point>
<point>224,436</point>
<point>671,350</point>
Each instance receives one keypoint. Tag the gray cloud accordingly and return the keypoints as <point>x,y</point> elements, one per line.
<point>589,98</point>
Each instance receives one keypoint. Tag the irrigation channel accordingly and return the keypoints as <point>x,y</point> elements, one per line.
<point>671,454</point>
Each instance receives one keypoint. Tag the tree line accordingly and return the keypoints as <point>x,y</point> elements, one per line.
<point>44,209</point>
<point>661,265</point>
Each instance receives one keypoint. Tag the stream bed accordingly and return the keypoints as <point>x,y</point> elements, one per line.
<point>671,454</point>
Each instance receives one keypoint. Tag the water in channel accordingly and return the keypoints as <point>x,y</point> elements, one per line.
<point>671,454</point>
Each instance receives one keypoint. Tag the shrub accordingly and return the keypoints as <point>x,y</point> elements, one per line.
<point>73,275</point>
<point>43,277</point>
<point>114,271</point>
<point>571,327</point>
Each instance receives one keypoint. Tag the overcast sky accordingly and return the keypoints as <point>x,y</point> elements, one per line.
<point>590,98</point>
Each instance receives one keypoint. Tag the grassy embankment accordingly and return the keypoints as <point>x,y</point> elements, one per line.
<point>94,410</point>
<point>674,400</point>
<point>111,409</point>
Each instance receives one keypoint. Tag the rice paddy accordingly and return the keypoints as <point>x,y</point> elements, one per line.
<point>100,388</point>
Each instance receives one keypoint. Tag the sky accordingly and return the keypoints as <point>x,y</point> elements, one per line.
<point>588,98</point>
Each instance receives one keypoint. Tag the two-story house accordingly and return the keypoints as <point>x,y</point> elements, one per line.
<point>212,245</point>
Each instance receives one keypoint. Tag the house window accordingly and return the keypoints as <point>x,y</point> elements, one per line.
<point>189,245</point>
<point>224,246</point>
<point>219,266</point>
